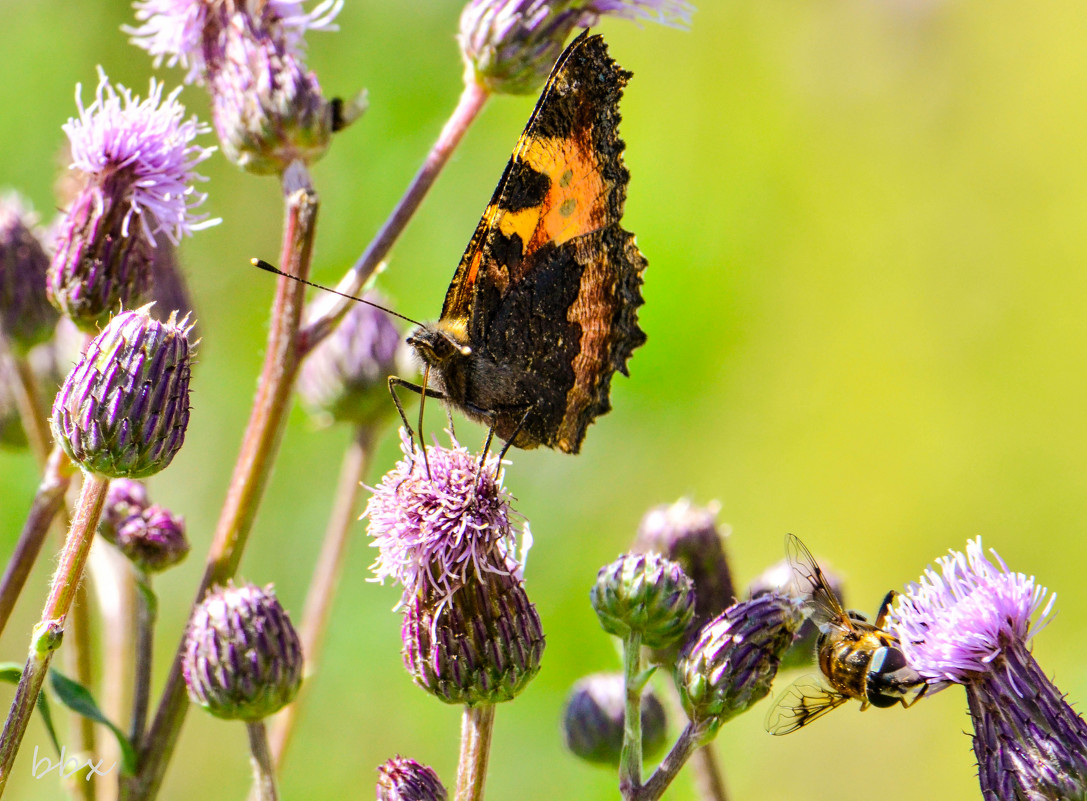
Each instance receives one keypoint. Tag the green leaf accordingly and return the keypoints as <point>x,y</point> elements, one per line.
<point>79,699</point>
<point>11,672</point>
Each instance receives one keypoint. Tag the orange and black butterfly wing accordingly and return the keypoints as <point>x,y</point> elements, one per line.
<point>549,286</point>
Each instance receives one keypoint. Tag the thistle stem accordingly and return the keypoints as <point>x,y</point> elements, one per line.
<point>79,665</point>
<point>253,466</point>
<point>32,412</point>
<point>708,778</point>
<point>48,501</point>
<point>326,576</point>
<point>146,612</point>
<point>476,728</point>
<point>264,773</point>
<point>669,768</point>
<point>50,629</point>
<point>322,322</point>
<point>630,758</point>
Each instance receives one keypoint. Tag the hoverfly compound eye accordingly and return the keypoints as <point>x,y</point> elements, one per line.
<point>887,660</point>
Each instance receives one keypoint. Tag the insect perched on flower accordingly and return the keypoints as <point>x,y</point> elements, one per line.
<point>859,660</point>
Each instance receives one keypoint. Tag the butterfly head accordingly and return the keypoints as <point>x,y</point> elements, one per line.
<point>438,344</point>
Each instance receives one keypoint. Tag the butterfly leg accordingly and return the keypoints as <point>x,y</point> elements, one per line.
<point>513,436</point>
<point>397,381</point>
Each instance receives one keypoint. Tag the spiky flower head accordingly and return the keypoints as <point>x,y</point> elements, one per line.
<point>404,779</point>
<point>689,536</point>
<point>26,316</point>
<point>267,106</point>
<point>734,659</point>
<point>137,161</point>
<point>644,594</point>
<point>346,376</point>
<point>153,539</point>
<point>510,46</point>
<point>124,498</point>
<point>592,723</point>
<point>482,645</point>
<point>242,658</point>
<point>123,409</point>
<point>435,531</point>
<point>970,624</point>
<point>781,578</point>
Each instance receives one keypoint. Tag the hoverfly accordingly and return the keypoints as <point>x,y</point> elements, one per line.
<point>859,660</point>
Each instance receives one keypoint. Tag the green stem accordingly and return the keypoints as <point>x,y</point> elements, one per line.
<point>326,576</point>
<point>264,777</point>
<point>476,728</point>
<point>668,769</point>
<point>48,632</point>
<point>32,412</point>
<point>48,501</point>
<point>323,322</point>
<point>252,468</point>
<point>146,612</point>
<point>630,758</point>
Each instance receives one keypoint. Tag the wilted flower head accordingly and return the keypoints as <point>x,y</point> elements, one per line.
<point>510,46</point>
<point>26,317</point>
<point>433,532</point>
<point>346,376</point>
<point>404,779</point>
<point>971,626</point>
<point>137,160</point>
<point>242,658</point>
<point>644,594</point>
<point>592,723</point>
<point>123,410</point>
<point>267,107</point>
<point>734,659</point>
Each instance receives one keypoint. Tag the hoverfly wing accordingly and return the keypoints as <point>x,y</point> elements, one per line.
<point>806,700</point>
<point>825,606</point>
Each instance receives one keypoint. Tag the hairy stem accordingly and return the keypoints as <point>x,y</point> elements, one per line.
<point>630,757</point>
<point>253,466</point>
<point>476,728</point>
<point>321,323</point>
<point>50,629</point>
<point>264,773</point>
<point>326,576</point>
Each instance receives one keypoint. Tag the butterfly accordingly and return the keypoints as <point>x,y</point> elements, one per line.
<point>542,309</point>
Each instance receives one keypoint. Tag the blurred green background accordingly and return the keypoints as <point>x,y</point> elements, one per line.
<point>866,316</point>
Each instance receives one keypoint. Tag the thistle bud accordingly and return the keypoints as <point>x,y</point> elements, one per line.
<point>243,659</point>
<point>734,659</point>
<point>482,645</point>
<point>346,376</point>
<point>645,594</point>
<point>153,539</point>
<point>124,498</point>
<point>403,779</point>
<point>123,410</point>
<point>592,723</point>
<point>26,317</point>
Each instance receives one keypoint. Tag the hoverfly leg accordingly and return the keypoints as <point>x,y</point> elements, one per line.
<point>885,609</point>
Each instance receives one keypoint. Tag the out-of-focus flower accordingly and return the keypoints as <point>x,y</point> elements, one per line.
<point>644,594</point>
<point>734,659</point>
<point>124,498</point>
<point>123,410</point>
<point>510,46</point>
<point>433,532</point>
<point>137,160</point>
<point>153,539</point>
<point>346,376</point>
<point>592,723</point>
<point>404,779</point>
<point>26,316</point>
<point>970,624</point>
<point>267,106</point>
<point>243,659</point>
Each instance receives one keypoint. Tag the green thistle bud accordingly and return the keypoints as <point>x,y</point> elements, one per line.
<point>592,723</point>
<point>646,594</point>
<point>734,659</point>
<point>403,779</point>
<point>123,410</point>
<point>481,646</point>
<point>26,317</point>
<point>243,659</point>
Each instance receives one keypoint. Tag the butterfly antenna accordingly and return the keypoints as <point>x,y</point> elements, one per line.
<point>422,403</point>
<point>263,265</point>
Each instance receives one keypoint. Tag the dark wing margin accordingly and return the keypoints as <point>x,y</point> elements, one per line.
<point>805,701</point>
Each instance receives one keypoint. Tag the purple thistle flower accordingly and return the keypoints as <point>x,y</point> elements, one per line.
<point>173,31</point>
<point>971,626</point>
<point>509,46</point>
<point>433,533</point>
<point>404,779</point>
<point>140,153</point>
